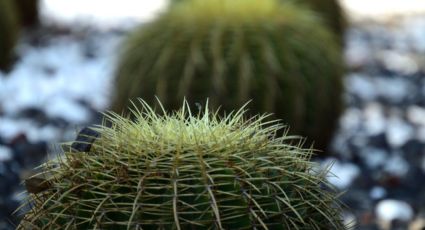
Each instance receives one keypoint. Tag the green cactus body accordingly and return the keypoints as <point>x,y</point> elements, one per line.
<point>8,33</point>
<point>275,54</point>
<point>185,171</point>
<point>332,13</point>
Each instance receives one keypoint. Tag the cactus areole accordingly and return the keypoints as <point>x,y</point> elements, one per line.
<point>184,170</point>
<point>276,54</point>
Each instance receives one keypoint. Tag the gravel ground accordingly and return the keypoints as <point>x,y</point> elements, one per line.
<point>380,146</point>
<point>63,75</point>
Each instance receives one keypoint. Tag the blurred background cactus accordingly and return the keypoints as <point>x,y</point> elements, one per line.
<point>9,31</point>
<point>275,54</point>
<point>184,171</point>
<point>332,14</point>
<point>330,10</point>
<point>28,11</point>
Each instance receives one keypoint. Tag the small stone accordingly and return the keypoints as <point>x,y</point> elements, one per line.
<point>351,119</point>
<point>377,192</point>
<point>58,106</point>
<point>366,218</point>
<point>416,115</point>
<point>85,139</point>
<point>18,139</point>
<point>373,157</point>
<point>423,163</point>
<point>417,224</point>
<point>35,114</point>
<point>29,154</point>
<point>379,141</point>
<point>5,154</point>
<point>374,119</point>
<point>420,133</point>
<point>389,210</point>
<point>362,86</point>
<point>393,90</point>
<point>398,132</point>
<point>341,174</point>
<point>396,165</point>
<point>399,62</point>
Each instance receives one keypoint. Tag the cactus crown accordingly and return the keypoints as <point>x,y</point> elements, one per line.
<point>234,12</point>
<point>184,171</point>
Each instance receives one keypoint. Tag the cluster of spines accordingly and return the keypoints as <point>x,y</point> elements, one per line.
<point>183,171</point>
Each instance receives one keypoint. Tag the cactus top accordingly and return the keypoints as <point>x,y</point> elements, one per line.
<point>234,12</point>
<point>185,171</point>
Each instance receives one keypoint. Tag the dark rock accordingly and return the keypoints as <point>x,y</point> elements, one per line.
<point>389,181</point>
<point>90,50</point>
<point>49,70</point>
<point>35,114</point>
<point>379,140</point>
<point>413,150</point>
<point>9,179</point>
<point>364,181</point>
<point>366,221</point>
<point>29,154</point>
<point>59,122</point>
<point>18,139</point>
<point>84,140</point>
<point>399,225</point>
<point>7,219</point>
<point>357,199</point>
<point>384,71</point>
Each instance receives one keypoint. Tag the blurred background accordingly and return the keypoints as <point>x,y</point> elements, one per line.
<point>60,73</point>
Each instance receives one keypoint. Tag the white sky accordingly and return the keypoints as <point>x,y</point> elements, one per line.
<point>110,11</point>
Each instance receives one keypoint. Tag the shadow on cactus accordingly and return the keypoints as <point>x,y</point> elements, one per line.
<point>184,171</point>
<point>9,30</point>
<point>276,54</point>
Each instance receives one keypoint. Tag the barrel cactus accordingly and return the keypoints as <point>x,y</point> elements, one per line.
<point>276,54</point>
<point>184,170</point>
<point>330,10</point>
<point>332,13</point>
<point>9,30</point>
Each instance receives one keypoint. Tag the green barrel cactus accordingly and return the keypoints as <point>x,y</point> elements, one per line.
<point>9,31</point>
<point>332,13</point>
<point>330,10</point>
<point>184,170</point>
<point>275,54</point>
